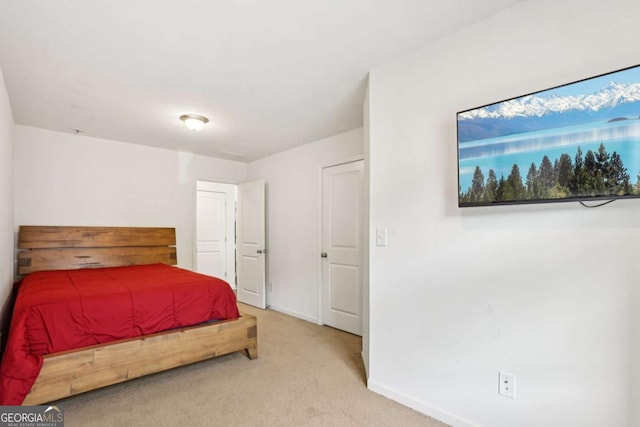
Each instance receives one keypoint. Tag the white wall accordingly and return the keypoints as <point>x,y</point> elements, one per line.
<point>546,292</point>
<point>293,219</point>
<point>6,197</point>
<point>66,179</point>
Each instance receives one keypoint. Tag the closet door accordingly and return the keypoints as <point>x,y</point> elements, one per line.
<point>342,248</point>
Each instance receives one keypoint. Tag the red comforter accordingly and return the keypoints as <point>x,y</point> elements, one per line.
<point>63,310</point>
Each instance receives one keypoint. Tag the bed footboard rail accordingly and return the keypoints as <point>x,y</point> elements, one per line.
<point>69,373</point>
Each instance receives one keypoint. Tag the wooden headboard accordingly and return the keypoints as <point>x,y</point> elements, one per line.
<point>72,248</point>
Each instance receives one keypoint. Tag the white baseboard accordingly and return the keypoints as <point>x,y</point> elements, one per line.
<point>418,405</point>
<point>294,314</point>
<point>366,366</point>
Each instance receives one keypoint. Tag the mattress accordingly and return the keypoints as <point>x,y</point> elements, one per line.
<point>63,310</point>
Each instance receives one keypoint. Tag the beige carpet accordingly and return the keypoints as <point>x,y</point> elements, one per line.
<point>305,375</point>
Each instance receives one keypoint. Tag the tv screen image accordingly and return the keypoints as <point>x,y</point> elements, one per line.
<point>575,142</point>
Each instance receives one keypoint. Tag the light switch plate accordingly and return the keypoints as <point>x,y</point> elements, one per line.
<point>381,237</point>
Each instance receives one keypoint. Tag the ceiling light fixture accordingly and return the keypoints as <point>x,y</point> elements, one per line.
<point>194,122</point>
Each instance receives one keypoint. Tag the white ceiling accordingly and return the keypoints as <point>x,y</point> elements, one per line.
<point>269,74</point>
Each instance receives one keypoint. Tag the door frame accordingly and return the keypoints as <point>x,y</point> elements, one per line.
<point>345,160</point>
<point>230,190</point>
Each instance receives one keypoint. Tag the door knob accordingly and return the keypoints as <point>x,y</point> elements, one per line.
<point>260,251</point>
<point>323,254</point>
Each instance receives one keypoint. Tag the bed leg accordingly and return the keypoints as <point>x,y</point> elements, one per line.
<point>252,352</point>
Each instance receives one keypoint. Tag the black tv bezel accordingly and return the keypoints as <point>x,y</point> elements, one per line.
<point>534,201</point>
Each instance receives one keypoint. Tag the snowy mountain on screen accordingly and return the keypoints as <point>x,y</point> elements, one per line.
<point>539,111</point>
<point>537,106</point>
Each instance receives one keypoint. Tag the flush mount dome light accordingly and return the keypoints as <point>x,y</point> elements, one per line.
<point>194,121</point>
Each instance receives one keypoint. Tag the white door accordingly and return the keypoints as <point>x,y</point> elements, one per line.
<point>342,211</point>
<point>250,244</point>
<point>215,228</point>
<point>211,238</point>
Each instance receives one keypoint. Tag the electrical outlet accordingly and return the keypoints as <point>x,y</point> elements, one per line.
<point>507,384</point>
<point>269,286</point>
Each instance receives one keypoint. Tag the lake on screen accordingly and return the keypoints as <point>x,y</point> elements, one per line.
<point>501,153</point>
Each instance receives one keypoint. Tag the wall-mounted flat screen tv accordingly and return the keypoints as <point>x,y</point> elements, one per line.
<point>576,142</point>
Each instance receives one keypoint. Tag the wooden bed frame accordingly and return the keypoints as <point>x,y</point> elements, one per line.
<point>72,372</point>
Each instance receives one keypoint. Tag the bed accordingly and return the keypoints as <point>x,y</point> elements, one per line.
<point>103,305</point>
